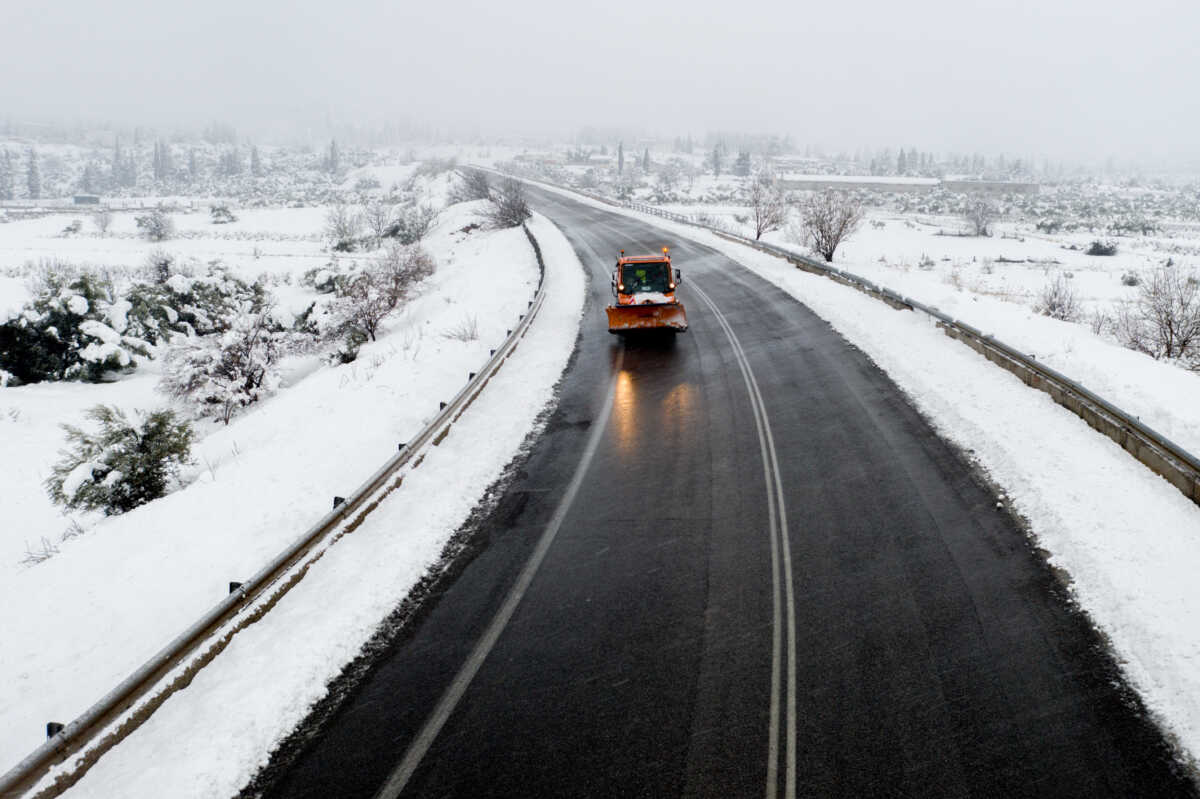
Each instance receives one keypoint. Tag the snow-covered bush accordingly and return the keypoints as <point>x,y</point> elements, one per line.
<point>980,213</point>
<point>1164,321</point>
<point>221,215</point>
<point>156,225</point>
<point>470,185</point>
<point>379,216</point>
<point>343,227</point>
<point>323,279</point>
<point>412,224</point>
<point>1058,301</point>
<point>158,265</point>
<point>1101,248</point>
<point>102,219</point>
<point>73,329</point>
<point>122,465</point>
<point>510,207</point>
<point>217,375</point>
<point>367,296</point>
<point>827,218</point>
<point>191,304</point>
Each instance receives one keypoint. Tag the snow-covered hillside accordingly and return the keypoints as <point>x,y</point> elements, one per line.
<point>128,583</point>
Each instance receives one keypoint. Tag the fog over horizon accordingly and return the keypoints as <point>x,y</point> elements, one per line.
<point>1068,80</point>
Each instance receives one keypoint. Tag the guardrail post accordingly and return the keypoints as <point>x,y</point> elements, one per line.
<point>403,444</point>
<point>338,501</point>
<point>53,728</point>
<point>441,406</point>
<point>234,586</point>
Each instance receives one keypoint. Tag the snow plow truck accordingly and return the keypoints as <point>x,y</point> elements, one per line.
<point>644,287</point>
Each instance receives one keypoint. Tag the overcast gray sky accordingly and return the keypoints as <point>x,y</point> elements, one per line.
<point>1059,77</point>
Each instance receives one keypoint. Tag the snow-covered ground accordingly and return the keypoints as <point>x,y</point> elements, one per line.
<point>966,278</point>
<point>1129,540</point>
<point>79,622</point>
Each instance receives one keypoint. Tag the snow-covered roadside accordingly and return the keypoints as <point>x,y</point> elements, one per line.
<point>78,623</point>
<point>1161,394</point>
<point>207,740</point>
<point>1128,539</point>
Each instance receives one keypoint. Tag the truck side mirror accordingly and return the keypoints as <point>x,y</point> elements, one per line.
<point>678,277</point>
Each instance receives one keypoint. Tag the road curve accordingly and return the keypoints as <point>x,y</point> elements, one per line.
<point>738,564</point>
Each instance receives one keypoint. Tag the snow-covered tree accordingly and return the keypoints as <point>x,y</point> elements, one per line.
<point>175,303</point>
<point>230,162</point>
<point>163,163</point>
<point>343,227</point>
<point>472,184</point>
<point>716,160</point>
<point>379,215</point>
<point>333,158</point>
<point>510,206</point>
<point>7,178</point>
<point>412,224</point>
<point>827,219</point>
<point>741,164</point>
<point>221,215</point>
<point>256,167</point>
<point>102,219</point>
<point>365,298</point>
<point>156,225</point>
<point>89,181</point>
<point>74,329</point>
<point>980,214</point>
<point>217,375</point>
<point>768,204</point>
<point>33,176</point>
<point>123,464</point>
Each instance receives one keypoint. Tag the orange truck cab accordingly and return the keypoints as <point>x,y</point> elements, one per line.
<point>644,286</point>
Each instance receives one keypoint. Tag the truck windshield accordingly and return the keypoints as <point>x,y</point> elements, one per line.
<point>642,278</point>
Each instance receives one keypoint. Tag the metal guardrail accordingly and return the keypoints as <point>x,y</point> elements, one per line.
<point>135,692</point>
<point>1160,454</point>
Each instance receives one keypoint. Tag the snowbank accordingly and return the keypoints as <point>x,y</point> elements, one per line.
<point>78,623</point>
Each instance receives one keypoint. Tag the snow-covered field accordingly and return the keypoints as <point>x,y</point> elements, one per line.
<point>77,623</point>
<point>966,278</point>
<point>1129,540</point>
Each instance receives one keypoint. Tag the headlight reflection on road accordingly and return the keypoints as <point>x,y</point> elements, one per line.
<point>636,426</point>
<point>624,418</point>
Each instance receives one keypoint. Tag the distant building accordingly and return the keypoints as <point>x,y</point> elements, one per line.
<point>990,186</point>
<point>863,182</point>
<point>906,185</point>
<point>87,199</point>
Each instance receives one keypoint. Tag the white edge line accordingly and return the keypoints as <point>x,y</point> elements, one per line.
<point>454,692</point>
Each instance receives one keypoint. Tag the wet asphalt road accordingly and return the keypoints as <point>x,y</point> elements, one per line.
<point>923,649</point>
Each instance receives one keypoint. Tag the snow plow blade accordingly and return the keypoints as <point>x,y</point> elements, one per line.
<point>627,318</point>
